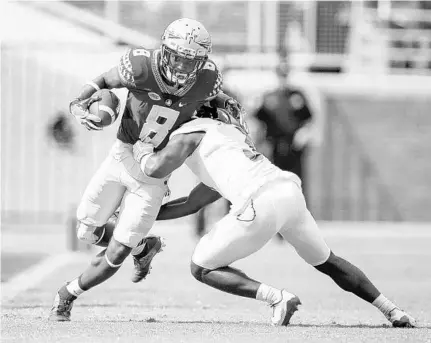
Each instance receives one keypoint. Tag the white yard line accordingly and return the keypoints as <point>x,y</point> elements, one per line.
<point>31,277</point>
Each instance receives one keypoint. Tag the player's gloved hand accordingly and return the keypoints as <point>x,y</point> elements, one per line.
<point>79,109</point>
<point>235,109</point>
<point>140,149</point>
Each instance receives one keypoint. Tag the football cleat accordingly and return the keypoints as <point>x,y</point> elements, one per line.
<point>63,303</point>
<point>400,319</point>
<point>155,245</point>
<point>283,310</point>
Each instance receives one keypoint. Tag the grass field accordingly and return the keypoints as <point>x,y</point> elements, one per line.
<point>170,306</point>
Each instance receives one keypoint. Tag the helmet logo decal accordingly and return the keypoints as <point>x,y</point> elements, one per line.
<point>191,36</point>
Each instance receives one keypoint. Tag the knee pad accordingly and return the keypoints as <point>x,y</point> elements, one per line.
<point>198,272</point>
<point>90,234</point>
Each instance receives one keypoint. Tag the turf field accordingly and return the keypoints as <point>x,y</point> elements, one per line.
<point>170,306</point>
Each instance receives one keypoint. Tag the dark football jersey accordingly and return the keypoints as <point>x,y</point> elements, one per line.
<point>153,108</point>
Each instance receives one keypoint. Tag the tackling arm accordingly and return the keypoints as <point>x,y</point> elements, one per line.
<point>162,163</point>
<point>198,198</point>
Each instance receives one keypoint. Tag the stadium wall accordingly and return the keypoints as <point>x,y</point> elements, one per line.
<point>41,182</point>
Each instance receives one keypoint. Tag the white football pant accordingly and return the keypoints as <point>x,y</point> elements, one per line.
<point>279,206</point>
<point>119,181</point>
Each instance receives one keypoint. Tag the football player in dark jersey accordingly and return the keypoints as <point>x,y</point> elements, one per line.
<point>166,87</point>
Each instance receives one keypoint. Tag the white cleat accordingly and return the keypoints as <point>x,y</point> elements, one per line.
<point>284,309</point>
<point>400,319</point>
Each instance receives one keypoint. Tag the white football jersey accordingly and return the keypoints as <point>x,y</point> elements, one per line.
<point>226,161</point>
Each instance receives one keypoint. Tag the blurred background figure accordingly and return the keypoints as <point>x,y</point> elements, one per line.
<point>61,131</point>
<point>287,120</point>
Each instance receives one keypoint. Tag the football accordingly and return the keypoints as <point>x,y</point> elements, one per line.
<point>106,108</point>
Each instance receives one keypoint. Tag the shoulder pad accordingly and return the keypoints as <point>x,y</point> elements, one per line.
<point>133,66</point>
<point>211,78</point>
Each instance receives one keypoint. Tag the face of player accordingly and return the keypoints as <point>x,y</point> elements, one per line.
<point>181,64</point>
<point>181,68</point>
<point>178,70</point>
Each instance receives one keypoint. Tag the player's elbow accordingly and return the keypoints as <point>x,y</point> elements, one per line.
<point>152,167</point>
<point>155,170</point>
<point>149,170</point>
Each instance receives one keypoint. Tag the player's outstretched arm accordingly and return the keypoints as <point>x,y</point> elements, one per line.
<point>108,80</point>
<point>198,198</point>
<point>162,163</point>
<point>79,106</point>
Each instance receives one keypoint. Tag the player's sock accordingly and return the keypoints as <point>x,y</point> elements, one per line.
<point>75,287</point>
<point>384,304</point>
<point>65,294</point>
<point>269,294</point>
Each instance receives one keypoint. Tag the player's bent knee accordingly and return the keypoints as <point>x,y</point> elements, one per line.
<point>116,253</point>
<point>129,239</point>
<point>198,272</point>
<point>328,265</point>
<point>90,234</point>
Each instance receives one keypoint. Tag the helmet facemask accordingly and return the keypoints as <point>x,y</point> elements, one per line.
<point>180,68</point>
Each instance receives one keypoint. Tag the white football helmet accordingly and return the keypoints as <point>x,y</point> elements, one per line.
<point>185,48</point>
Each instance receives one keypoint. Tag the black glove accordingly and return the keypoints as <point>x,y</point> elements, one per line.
<point>235,109</point>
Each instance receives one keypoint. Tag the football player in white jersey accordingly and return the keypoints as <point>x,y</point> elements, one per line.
<point>265,201</point>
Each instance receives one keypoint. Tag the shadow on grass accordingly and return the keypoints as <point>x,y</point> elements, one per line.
<point>14,263</point>
<point>152,320</point>
<point>242,323</point>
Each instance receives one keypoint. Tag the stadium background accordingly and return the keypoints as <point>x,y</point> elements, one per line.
<point>365,65</point>
<point>371,157</point>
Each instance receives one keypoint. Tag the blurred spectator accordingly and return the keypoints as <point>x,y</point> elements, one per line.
<point>287,117</point>
<point>60,130</point>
